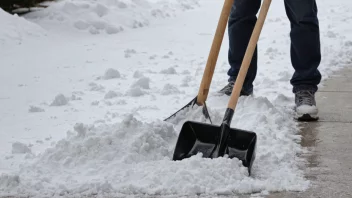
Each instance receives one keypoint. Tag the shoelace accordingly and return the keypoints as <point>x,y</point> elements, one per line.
<point>305,97</point>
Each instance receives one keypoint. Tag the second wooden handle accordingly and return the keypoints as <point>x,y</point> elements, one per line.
<point>214,52</point>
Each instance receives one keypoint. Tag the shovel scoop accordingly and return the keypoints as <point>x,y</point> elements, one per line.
<point>216,141</point>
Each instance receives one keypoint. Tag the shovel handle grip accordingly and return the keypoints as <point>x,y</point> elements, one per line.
<point>214,52</point>
<point>248,55</point>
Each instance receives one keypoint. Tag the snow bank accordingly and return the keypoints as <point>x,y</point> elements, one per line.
<point>134,157</point>
<point>15,29</point>
<point>108,16</point>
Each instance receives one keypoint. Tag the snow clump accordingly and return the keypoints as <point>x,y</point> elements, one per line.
<point>60,100</point>
<point>34,109</point>
<point>137,74</point>
<point>20,148</point>
<point>170,89</point>
<point>142,83</point>
<point>111,74</point>
<point>112,94</point>
<point>169,70</point>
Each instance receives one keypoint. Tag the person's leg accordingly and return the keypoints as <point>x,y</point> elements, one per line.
<point>305,43</point>
<point>240,26</point>
<point>305,53</point>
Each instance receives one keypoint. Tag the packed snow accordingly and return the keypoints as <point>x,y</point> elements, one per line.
<point>86,86</point>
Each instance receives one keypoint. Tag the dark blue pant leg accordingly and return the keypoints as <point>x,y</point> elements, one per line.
<point>305,43</point>
<point>240,27</point>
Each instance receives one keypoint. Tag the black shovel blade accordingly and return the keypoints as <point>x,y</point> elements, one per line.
<point>204,138</point>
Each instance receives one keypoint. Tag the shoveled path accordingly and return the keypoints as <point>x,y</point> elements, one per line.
<point>330,140</point>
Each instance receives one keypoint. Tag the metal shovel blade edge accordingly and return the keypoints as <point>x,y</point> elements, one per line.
<point>185,109</point>
<point>196,137</point>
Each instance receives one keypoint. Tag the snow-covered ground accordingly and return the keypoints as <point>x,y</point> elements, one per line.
<point>85,87</point>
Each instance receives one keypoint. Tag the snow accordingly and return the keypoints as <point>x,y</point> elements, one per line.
<point>99,77</point>
<point>170,89</point>
<point>143,82</point>
<point>112,94</point>
<point>19,147</point>
<point>111,74</point>
<point>60,100</point>
<point>15,29</point>
<point>35,109</point>
<point>138,74</point>
<point>170,70</point>
<point>108,16</point>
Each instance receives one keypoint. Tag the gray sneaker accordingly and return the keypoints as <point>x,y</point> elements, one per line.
<point>306,107</point>
<point>229,87</point>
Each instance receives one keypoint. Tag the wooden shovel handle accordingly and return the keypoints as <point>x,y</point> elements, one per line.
<point>249,54</point>
<point>214,52</point>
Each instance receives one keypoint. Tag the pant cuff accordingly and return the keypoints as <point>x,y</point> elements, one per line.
<point>312,88</point>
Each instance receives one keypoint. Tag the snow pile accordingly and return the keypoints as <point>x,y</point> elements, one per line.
<point>14,29</point>
<point>108,16</point>
<point>134,157</point>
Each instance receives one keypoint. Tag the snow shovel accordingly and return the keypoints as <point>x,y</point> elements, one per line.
<point>211,63</point>
<point>216,141</point>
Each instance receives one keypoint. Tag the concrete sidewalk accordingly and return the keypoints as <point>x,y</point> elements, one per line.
<point>330,140</point>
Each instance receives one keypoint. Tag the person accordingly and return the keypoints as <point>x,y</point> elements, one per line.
<point>304,51</point>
